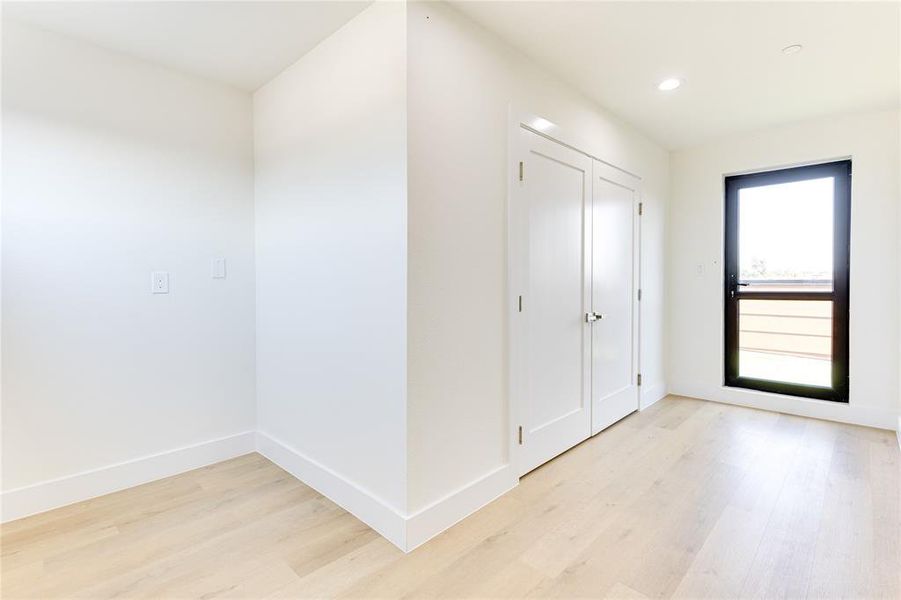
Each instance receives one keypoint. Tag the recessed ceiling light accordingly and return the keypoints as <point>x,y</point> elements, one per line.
<point>793,49</point>
<point>669,84</point>
<point>541,124</point>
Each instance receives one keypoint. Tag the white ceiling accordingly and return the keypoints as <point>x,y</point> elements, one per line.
<point>728,53</point>
<point>244,44</point>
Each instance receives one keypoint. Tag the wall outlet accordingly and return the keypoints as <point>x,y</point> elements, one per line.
<point>159,282</point>
<point>217,268</point>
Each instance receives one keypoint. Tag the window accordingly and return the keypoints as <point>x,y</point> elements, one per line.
<point>786,286</point>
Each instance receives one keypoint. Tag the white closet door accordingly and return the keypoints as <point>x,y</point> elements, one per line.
<point>556,187</point>
<point>615,264</point>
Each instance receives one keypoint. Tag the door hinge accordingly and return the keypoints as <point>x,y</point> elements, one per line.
<point>639,379</point>
<point>520,304</point>
<point>639,294</point>
<point>520,170</point>
<point>520,435</point>
<point>640,204</point>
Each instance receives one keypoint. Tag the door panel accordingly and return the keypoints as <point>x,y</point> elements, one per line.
<point>556,189</point>
<point>614,335</point>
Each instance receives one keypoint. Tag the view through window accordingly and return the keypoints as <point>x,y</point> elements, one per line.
<point>785,243</point>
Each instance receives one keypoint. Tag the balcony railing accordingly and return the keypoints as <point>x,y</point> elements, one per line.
<point>796,327</point>
<point>786,340</point>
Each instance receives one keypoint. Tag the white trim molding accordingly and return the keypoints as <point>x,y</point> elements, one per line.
<point>443,514</point>
<point>47,495</point>
<point>404,531</point>
<point>652,394</point>
<point>361,503</point>
<point>803,407</point>
<point>407,532</point>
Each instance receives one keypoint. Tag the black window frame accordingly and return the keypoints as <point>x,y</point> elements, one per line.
<point>840,294</point>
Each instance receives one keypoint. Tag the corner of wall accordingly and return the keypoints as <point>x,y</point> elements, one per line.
<point>443,514</point>
<point>361,503</point>
<point>652,394</point>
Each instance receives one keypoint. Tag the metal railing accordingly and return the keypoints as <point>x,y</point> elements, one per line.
<point>801,328</point>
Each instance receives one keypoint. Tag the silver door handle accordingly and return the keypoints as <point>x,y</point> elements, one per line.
<point>592,317</point>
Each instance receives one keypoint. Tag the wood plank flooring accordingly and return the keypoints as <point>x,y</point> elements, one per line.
<point>687,499</point>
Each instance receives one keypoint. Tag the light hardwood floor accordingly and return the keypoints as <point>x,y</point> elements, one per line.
<point>687,499</point>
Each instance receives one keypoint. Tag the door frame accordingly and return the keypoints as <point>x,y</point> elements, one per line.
<point>840,169</point>
<point>517,263</point>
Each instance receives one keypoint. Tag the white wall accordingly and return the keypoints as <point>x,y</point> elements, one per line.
<point>462,81</point>
<point>330,138</point>
<point>112,168</point>
<point>696,240</point>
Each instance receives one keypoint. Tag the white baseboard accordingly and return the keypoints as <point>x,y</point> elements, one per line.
<point>443,514</point>
<point>359,502</point>
<point>898,432</point>
<point>405,532</point>
<point>804,407</point>
<point>47,495</point>
<point>651,394</point>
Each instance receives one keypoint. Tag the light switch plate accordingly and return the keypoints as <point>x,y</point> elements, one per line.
<point>217,268</point>
<point>159,282</point>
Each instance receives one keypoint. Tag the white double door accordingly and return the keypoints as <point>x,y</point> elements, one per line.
<point>575,244</point>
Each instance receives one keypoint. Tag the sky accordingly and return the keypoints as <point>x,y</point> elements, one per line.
<point>788,228</point>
